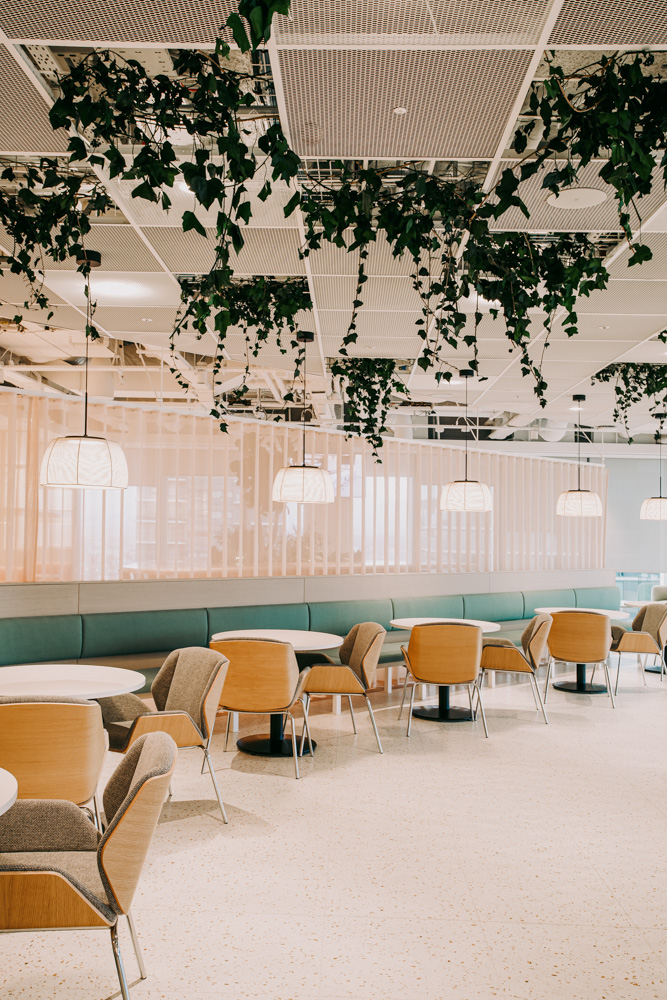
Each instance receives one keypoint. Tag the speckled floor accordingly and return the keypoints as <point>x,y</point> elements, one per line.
<point>530,866</point>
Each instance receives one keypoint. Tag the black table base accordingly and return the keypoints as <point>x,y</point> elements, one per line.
<point>580,686</point>
<point>442,712</point>
<point>274,744</point>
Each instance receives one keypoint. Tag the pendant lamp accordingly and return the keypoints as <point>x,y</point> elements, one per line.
<point>579,503</point>
<point>303,483</point>
<point>466,494</point>
<point>82,461</point>
<point>655,508</point>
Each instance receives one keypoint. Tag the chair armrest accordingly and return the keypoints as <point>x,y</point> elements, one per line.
<point>46,825</point>
<point>301,686</point>
<point>179,725</point>
<point>123,708</point>
<point>504,657</point>
<point>313,659</point>
<point>498,642</point>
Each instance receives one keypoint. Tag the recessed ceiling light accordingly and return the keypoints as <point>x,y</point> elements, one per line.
<point>146,319</point>
<point>400,111</point>
<point>577,197</point>
<point>603,328</point>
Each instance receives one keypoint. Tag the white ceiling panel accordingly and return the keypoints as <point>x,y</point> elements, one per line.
<point>14,289</point>
<point>24,122</point>
<point>610,22</point>
<point>608,327</point>
<point>341,102</point>
<point>656,268</point>
<point>122,249</point>
<point>383,294</point>
<point>165,21</point>
<point>110,288</point>
<point>266,251</point>
<point>641,298</point>
<point>137,319</point>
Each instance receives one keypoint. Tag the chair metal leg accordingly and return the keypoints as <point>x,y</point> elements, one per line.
<point>307,728</point>
<point>136,945</point>
<point>115,947</point>
<point>532,688</point>
<point>405,684</point>
<point>306,706</point>
<point>618,673</point>
<point>294,747</point>
<point>229,722</point>
<point>481,709</point>
<point>546,683</point>
<point>472,709</point>
<point>98,813</point>
<point>412,701</point>
<point>354,724</point>
<point>609,687</point>
<point>595,666</point>
<point>207,758</point>
<point>538,697</point>
<point>375,728</point>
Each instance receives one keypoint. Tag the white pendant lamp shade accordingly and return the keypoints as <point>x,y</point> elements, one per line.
<point>84,463</point>
<point>466,495</point>
<point>303,484</point>
<point>579,503</point>
<point>654,509</point>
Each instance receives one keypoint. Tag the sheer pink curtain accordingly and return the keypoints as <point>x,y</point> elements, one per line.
<point>199,504</point>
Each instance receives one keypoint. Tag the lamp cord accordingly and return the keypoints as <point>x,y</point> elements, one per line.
<point>88,321</point>
<point>466,438</point>
<point>303,412</point>
<point>578,457</point>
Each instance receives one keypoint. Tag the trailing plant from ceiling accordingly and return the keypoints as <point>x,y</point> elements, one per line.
<point>124,124</point>
<point>368,386</point>
<point>634,382</point>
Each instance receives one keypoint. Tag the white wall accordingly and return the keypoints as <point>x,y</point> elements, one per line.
<point>634,545</point>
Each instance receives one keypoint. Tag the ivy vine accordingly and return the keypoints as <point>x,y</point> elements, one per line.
<point>632,383</point>
<point>122,123</point>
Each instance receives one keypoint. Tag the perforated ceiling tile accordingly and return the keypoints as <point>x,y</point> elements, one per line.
<point>375,347</point>
<point>14,289</point>
<point>266,251</point>
<point>341,102</point>
<point>600,218</point>
<point>586,351</point>
<point>382,294</point>
<point>24,122</point>
<point>121,248</point>
<point>113,288</point>
<point>610,22</point>
<point>117,319</point>
<point>600,327</point>
<point>168,21</point>
<point>334,324</point>
<point>654,268</point>
<point>627,297</point>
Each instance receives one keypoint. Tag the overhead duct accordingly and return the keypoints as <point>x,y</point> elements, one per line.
<point>553,430</point>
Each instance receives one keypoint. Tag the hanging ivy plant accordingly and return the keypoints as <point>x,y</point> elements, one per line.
<point>368,386</point>
<point>632,383</point>
<point>122,124</point>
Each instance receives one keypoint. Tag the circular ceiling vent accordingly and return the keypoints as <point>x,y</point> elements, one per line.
<point>577,197</point>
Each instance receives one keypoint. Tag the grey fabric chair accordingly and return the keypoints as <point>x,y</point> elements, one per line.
<point>658,593</point>
<point>648,637</point>
<point>54,746</point>
<point>186,692</point>
<point>359,656</point>
<point>57,872</point>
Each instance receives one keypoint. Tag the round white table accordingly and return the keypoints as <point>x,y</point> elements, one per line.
<point>443,711</point>
<point>580,686</point>
<point>274,743</point>
<point>640,604</point>
<point>72,680</point>
<point>8,790</point>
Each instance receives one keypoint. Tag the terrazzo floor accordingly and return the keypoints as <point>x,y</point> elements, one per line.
<point>527,866</point>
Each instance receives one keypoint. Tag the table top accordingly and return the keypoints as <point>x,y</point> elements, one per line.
<point>411,622</point>
<point>640,604</point>
<point>614,615</point>
<point>301,641</point>
<point>8,790</point>
<point>70,680</point>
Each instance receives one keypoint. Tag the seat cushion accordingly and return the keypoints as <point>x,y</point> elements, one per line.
<point>79,867</point>
<point>339,616</point>
<point>143,631</point>
<point>257,616</point>
<point>428,607</point>
<point>493,607</point>
<point>533,599</point>
<point>42,639</point>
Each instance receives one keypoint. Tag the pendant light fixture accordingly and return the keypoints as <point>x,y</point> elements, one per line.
<point>579,503</point>
<point>655,508</point>
<point>303,483</point>
<point>466,494</point>
<point>82,461</point>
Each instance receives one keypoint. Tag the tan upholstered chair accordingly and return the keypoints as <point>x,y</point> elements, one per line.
<point>54,747</point>
<point>444,655</point>
<point>359,655</point>
<point>263,679</point>
<point>503,655</point>
<point>581,637</point>
<point>57,873</point>
<point>647,638</point>
<point>186,692</point>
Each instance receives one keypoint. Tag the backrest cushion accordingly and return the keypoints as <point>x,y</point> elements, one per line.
<point>608,598</point>
<point>40,640</point>
<point>533,599</point>
<point>658,593</point>
<point>194,671</point>
<point>493,607</point>
<point>357,644</point>
<point>293,616</point>
<point>339,616</point>
<point>652,617</point>
<point>143,631</point>
<point>428,607</point>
